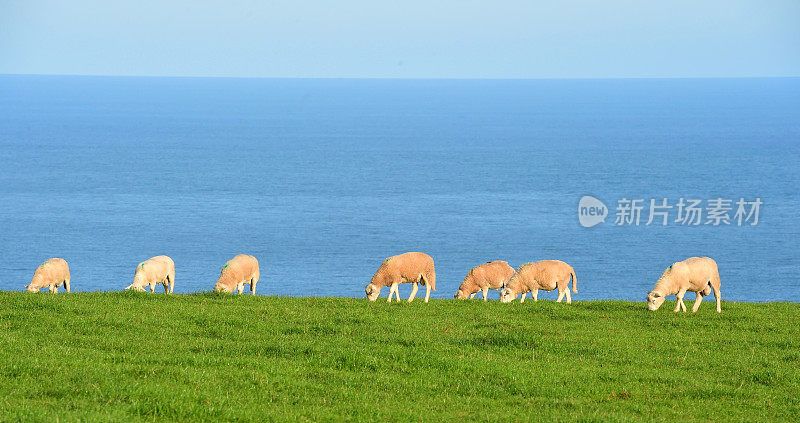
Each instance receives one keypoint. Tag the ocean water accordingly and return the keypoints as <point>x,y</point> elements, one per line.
<point>323,179</point>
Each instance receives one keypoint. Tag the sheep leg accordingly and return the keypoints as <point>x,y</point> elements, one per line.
<point>55,290</point>
<point>679,303</point>
<point>240,287</point>
<point>486,293</point>
<point>152,287</point>
<point>253,283</point>
<point>51,288</point>
<point>697,302</point>
<point>718,296</point>
<point>560,295</point>
<point>535,294</point>
<point>522,298</point>
<point>569,297</point>
<point>66,285</point>
<point>392,288</point>
<point>414,289</point>
<point>471,296</point>
<point>427,291</point>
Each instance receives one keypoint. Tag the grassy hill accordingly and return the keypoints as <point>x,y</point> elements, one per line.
<point>144,357</point>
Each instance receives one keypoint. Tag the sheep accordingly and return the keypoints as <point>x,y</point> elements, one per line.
<point>240,270</point>
<point>490,275</point>
<point>544,274</point>
<point>695,274</point>
<point>411,267</point>
<point>153,271</point>
<point>52,273</point>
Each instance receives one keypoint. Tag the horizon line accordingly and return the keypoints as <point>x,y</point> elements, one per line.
<point>398,78</point>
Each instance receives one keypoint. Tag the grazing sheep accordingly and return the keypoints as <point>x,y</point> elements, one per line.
<point>415,268</point>
<point>52,273</point>
<point>490,275</point>
<point>154,271</point>
<point>695,274</point>
<point>546,275</point>
<point>240,270</point>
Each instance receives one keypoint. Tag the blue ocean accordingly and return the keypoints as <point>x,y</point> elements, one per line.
<point>323,179</point>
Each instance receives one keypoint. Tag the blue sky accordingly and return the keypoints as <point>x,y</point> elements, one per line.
<point>402,39</point>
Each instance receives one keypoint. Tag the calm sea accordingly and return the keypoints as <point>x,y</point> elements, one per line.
<point>323,179</point>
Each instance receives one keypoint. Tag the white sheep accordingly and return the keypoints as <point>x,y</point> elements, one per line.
<point>546,275</point>
<point>695,274</point>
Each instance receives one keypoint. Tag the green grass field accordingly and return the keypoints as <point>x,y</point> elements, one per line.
<point>145,357</point>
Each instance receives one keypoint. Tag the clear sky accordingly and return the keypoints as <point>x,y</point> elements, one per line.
<point>403,39</point>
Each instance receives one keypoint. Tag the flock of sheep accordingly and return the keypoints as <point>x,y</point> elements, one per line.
<point>695,274</point>
<point>235,273</point>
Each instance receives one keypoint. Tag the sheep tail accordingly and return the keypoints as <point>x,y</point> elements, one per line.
<point>574,280</point>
